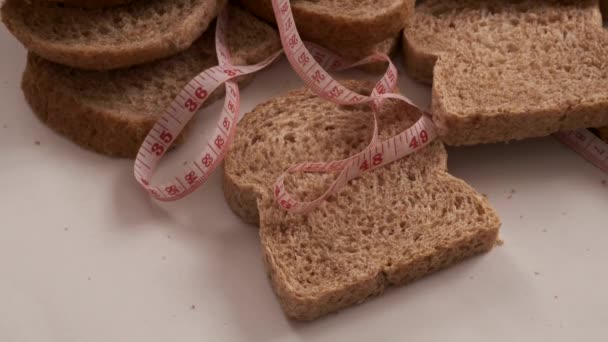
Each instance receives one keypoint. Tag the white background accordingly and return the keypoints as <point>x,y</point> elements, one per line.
<point>86,256</point>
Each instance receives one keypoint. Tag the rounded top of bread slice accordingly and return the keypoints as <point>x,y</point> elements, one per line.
<point>342,22</point>
<point>91,3</point>
<point>109,38</point>
<point>300,127</point>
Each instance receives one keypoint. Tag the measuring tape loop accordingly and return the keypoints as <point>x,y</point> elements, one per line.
<point>310,62</point>
<point>181,110</point>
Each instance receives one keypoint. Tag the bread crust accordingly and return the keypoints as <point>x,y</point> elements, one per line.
<point>103,51</point>
<point>336,29</point>
<point>92,3</point>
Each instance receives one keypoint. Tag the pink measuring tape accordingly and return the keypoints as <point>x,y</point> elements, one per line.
<point>587,144</point>
<point>310,62</point>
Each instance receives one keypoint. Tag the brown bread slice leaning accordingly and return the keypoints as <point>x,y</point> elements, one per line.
<point>388,227</point>
<point>338,24</point>
<point>112,111</point>
<point>508,70</point>
<point>109,38</point>
<point>91,3</point>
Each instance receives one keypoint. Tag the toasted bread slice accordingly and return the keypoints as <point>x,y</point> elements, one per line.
<point>112,111</point>
<point>342,23</point>
<point>387,227</point>
<point>91,3</point>
<point>509,70</point>
<point>109,38</point>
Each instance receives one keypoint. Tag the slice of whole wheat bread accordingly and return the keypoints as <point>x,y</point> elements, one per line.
<point>111,112</point>
<point>508,70</point>
<point>91,3</point>
<point>109,38</point>
<point>388,227</point>
<point>338,24</point>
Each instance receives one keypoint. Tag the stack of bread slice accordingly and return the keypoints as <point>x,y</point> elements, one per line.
<point>103,73</point>
<point>353,30</point>
<point>507,70</point>
<point>603,132</point>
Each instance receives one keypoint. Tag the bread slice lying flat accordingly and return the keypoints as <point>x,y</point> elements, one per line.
<point>109,38</point>
<point>111,112</point>
<point>508,70</point>
<point>338,24</point>
<point>91,3</point>
<point>388,227</point>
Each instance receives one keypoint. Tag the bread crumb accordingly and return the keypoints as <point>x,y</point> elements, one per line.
<point>555,297</point>
<point>4,126</point>
<point>536,273</point>
<point>604,182</point>
<point>164,257</point>
<point>521,217</point>
<point>168,236</point>
<point>511,194</point>
<point>66,229</point>
<point>89,278</point>
<point>499,242</point>
<point>544,230</point>
<point>37,142</point>
<point>193,307</point>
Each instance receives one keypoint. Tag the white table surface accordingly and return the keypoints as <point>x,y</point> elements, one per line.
<point>86,256</point>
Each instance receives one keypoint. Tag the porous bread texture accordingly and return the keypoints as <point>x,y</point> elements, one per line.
<point>387,227</point>
<point>91,3</point>
<point>338,24</point>
<point>509,70</point>
<point>109,38</point>
<point>111,112</point>
<point>443,27</point>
